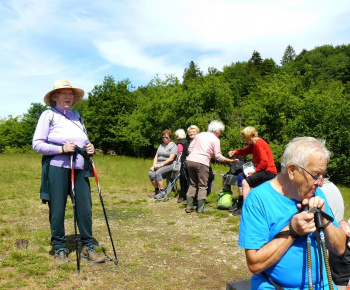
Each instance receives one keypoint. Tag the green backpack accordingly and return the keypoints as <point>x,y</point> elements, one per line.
<point>224,200</point>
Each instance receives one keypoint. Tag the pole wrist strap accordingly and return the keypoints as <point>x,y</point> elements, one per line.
<point>290,232</point>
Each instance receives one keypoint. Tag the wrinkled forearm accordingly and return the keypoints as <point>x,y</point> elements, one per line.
<point>335,239</point>
<point>267,256</point>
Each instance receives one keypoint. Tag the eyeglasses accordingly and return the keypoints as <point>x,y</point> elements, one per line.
<point>70,94</point>
<point>165,137</point>
<point>317,181</point>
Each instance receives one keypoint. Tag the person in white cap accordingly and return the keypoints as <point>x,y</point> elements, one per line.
<point>59,131</point>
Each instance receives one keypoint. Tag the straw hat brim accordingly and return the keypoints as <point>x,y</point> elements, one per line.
<point>78,93</point>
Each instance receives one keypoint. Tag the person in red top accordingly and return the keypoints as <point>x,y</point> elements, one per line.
<point>265,168</point>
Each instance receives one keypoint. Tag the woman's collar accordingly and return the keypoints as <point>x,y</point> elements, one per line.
<point>61,110</point>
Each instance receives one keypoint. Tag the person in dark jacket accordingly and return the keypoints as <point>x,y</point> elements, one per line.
<point>192,131</point>
<point>340,265</point>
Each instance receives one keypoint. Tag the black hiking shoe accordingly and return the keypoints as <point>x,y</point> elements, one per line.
<point>61,257</point>
<point>237,212</point>
<point>180,200</point>
<point>234,207</point>
<point>89,253</point>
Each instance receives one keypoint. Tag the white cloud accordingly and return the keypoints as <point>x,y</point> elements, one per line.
<point>219,31</point>
<point>85,41</point>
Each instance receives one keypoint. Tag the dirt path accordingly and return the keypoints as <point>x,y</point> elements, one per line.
<point>161,247</point>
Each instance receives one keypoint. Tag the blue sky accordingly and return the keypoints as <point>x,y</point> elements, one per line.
<point>84,41</point>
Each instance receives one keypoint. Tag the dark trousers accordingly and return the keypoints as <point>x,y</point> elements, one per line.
<point>60,189</point>
<point>184,180</point>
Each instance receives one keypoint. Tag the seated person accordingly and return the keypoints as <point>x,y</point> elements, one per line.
<point>272,230</point>
<point>340,265</point>
<point>265,168</point>
<point>162,163</point>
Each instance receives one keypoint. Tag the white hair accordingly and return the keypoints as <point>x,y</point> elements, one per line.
<point>299,150</point>
<point>216,127</point>
<point>180,134</point>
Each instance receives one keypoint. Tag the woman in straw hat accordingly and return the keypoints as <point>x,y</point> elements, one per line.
<point>59,131</point>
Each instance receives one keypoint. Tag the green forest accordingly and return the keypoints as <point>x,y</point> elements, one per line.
<point>306,94</point>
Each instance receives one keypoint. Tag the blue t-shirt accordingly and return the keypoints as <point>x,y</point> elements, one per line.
<point>265,213</point>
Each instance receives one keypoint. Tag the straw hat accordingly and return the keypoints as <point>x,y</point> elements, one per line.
<point>64,84</point>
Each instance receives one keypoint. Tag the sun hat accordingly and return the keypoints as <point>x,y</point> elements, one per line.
<point>64,84</point>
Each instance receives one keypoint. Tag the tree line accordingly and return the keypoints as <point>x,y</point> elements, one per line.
<point>307,94</point>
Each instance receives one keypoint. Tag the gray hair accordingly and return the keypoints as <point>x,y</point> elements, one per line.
<point>299,150</point>
<point>180,134</point>
<point>216,127</point>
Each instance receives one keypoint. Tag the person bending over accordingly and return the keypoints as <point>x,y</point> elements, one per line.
<point>204,146</point>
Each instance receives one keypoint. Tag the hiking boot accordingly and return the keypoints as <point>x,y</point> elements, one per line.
<point>89,253</point>
<point>189,205</point>
<point>237,212</point>
<point>159,195</point>
<point>233,207</point>
<point>61,256</point>
<point>180,200</point>
<point>153,194</point>
<point>200,206</point>
<point>238,205</point>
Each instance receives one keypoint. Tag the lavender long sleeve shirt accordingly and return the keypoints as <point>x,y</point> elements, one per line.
<point>59,132</point>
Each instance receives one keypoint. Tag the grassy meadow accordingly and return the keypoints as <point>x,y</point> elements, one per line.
<point>158,245</point>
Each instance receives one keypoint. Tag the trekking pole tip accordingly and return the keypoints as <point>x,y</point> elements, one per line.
<point>116,262</point>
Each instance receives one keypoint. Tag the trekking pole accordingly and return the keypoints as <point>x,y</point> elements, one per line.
<point>320,227</point>
<point>308,254</point>
<point>164,193</point>
<point>309,263</point>
<point>74,213</point>
<point>116,261</point>
<point>167,195</point>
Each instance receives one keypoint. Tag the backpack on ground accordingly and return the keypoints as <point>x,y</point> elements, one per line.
<point>225,200</point>
<point>230,178</point>
<point>236,168</point>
